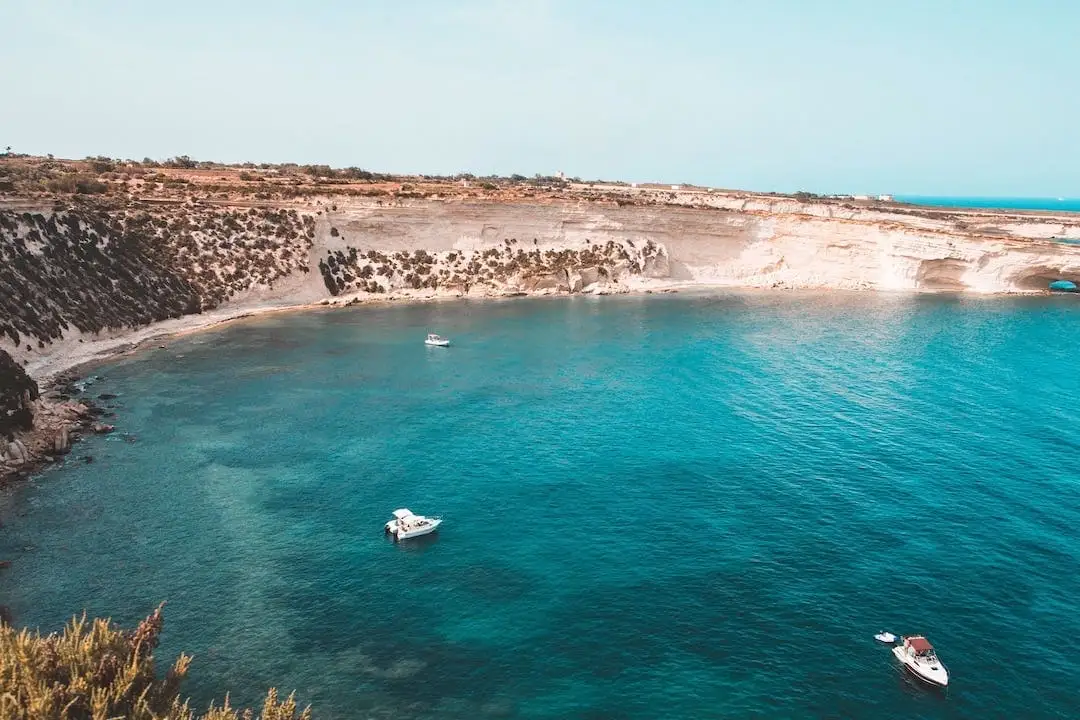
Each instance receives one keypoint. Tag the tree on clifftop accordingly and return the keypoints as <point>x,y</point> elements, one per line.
<point>95,670</point>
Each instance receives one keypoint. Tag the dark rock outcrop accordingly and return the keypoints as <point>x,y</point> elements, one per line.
<point>17,392</point>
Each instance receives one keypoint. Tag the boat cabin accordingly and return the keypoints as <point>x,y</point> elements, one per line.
<point>919,645</point>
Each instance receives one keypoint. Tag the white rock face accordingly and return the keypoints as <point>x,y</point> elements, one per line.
<point>762,243</point>
<point>63,306</point>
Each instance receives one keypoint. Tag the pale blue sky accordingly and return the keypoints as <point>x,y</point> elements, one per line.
<point>909,96</point>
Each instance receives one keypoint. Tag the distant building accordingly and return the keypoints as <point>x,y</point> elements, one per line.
<point>561,175</point>
<point>633,185</point>
<point>885,198</point>
<point>860,197</point>
<point>676,187</point>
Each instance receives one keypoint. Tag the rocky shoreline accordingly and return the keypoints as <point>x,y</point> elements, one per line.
<point>57,420</point>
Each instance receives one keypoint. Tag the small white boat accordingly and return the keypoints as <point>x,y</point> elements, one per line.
<point>436,340</point>
<point>918,656</point>
<point>406,525</point>
<point>885,637</point>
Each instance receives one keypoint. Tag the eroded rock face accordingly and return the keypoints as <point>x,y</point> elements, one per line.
<point>103,267</point>
<point>510,267</point>
<point>95,267</point>
<point>17,393</point>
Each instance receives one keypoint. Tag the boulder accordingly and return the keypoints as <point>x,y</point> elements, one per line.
<point>574,281</point>
<point>102,428</point>
<point>62,442</point>
<point>16,452</point>
<point>657,267</point>
<point>589,276</point>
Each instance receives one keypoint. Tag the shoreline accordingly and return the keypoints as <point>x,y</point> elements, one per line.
<point>76,356</point>
<point>57,368</point>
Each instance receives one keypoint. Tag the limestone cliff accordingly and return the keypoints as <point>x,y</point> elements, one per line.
<point>723,240</point>
<point>84,269</point>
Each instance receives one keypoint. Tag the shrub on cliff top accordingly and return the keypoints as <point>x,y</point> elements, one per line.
<point>94,670</point>
<point>82,184</point>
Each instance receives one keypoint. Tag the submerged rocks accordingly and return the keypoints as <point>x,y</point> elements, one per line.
<point>102,428</point>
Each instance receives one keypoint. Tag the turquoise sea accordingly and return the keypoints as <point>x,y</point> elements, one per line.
<point>690,506</point>
<point>1056,204</point>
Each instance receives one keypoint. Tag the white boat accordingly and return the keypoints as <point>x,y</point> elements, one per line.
<point>436,340</point>
<point>406,525</point>
<point>885,637</point>
<point>919,658</point>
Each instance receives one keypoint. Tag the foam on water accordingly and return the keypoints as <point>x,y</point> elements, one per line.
<point>694,505</point>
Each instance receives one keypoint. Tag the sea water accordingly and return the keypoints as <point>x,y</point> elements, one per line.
<point>1053,204</point>
<point>655,506</point>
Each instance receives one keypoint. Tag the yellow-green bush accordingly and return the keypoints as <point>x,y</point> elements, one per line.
<point>96,671</point>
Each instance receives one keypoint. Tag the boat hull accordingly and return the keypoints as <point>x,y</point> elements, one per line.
<point>437,343</point>
<point>937,676</point>
<point>399,533</point>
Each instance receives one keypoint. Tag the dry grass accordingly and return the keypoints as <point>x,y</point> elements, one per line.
<point>96,671</point>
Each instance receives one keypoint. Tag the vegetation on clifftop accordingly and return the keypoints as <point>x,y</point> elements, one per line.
<point>94,670</point>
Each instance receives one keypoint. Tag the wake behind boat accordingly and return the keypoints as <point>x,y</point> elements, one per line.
<point>406,525</point>
<point>918,656</point>
<point>436,340</point>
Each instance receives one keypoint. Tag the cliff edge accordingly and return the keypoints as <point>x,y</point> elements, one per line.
<point>95,260</point>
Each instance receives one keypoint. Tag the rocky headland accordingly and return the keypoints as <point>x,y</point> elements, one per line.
<point>99,255</point>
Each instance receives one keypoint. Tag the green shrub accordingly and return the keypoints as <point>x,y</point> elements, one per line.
<point>83,184</point>
<point>94,670</point>
<point>101,164</point>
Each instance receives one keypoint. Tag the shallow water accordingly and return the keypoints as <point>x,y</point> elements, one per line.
<point>699,506</point>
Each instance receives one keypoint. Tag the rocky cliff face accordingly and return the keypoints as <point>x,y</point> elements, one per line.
<point>93,268</point>
<point>17,395</point>
<point>99,267</point>
<point>509,268</point>
<point>721,240</point>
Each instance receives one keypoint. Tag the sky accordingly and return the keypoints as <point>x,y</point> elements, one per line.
<point>940,97</point>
